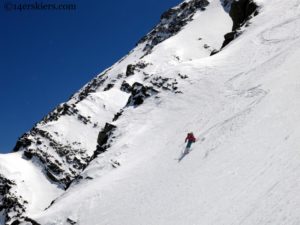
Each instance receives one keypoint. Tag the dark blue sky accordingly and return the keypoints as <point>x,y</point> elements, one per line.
<point>46,56</point>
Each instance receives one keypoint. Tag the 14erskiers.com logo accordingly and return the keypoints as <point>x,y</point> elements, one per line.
<point>36,6</point>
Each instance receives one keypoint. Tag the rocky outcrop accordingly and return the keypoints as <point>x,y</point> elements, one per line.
<point>12,206</point>
<point>109,86</point>
<point>62,110</point>
<point>103,141</point>
<point>131,68</point>
<point>24,220</point>
<point>125,87</point>
<point>117,115</point>
<point>63,169</point>
<point>240,12</point>
<point>171,22</point>
<point>164,83</point>
<point>229,37</point>
<point>70,221</point>
<point>23,142</point>
<point>139,93</point>
<point>91,87</point>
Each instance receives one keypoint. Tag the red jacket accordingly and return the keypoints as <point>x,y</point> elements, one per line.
<point>190,137</point>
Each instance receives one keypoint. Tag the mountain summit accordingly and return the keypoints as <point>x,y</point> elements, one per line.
<point>113,153</point>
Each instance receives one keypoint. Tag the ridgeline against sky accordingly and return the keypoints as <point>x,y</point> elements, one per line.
<point>48,55</point>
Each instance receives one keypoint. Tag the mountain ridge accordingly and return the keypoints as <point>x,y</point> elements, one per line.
<point>221,98</point>
<point>62,159</point>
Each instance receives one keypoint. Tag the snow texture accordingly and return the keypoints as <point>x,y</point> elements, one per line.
<point>242,104</point>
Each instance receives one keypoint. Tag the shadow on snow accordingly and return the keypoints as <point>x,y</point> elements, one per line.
<point>183,154</point>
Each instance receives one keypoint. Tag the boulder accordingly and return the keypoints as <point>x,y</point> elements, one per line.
<point>139,93</point>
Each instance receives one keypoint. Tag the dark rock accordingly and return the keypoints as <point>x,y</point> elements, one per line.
<point>83,119</point>
<point>126,87</point>
<point>12,207</point>
<point>182,76</point>
<point>16,222</point>
<point>5,185</point>
<point>139,93</point>
<point>103,139</point>
<point>117,115</point>
<point>23,142</point>
<point>119,76</point>
<point>39,142</point>
<point>28,154</point>
<point>61,110</point>
<point>240,12</point>
<point>167,14</point>
<point>75,159</point>
<point>105,133</point>
<point>213,52</point>
<point>108,87</point>
<point>33,222</point>
<point>115,164</point>
<point>91,87</point>
<point>70,221</point>
<point>168,84</point>
<point>131,68</point>
<point>229,37</point>
<point>26,219</point>
<point>171,22</point>
<point>184,5</point>
<point>52,202</point>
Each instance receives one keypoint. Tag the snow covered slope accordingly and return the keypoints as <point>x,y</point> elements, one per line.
<point>31,182</point>
<point>242,104</point>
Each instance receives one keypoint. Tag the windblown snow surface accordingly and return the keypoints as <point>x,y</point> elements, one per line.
<point>242,105</point>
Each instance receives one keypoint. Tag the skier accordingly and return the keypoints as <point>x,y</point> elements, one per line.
<point>189,139</point>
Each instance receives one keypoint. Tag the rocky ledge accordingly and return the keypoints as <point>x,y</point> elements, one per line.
<point>171,22</point>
